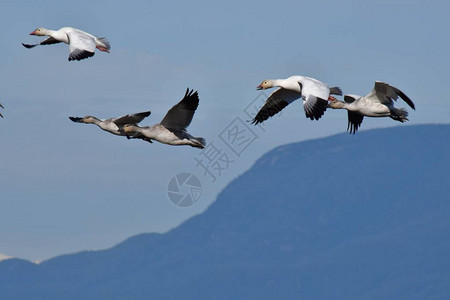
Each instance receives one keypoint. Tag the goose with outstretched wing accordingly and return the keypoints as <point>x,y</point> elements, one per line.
<point>172,129</point>
<point>81,44</point>
<point>315,95</point>
<point>378,103</point>
<point>114,125</point>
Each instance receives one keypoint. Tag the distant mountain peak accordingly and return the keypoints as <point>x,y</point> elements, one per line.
<point>4,257</point>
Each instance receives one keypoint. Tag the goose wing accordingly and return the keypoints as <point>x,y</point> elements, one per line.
<point>350,98</point>
<point>385,93</point>
<point>131,119</point>
<point>139,135</point>
<point>180,115</point>
<point>278,100</point>
<point>81,45</point>
<point>314,107</point>
<point>354,121</point>
<point>48,41</point>
<point>315,97</point>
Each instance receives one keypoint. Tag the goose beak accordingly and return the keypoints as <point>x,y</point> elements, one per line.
<point>259,87</point>
<point>331,100</point>
<point>33,33</point>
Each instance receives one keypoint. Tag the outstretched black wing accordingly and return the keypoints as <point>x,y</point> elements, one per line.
<point>354,121</point>
<point>180,115</point>
<point>278,100</point>
<point>48,41</point>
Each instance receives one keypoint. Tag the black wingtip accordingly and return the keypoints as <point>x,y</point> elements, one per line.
<point>190,93</point>
<point>75,119</point>
<point>352,128</point>
<point>406,99</point>
<point>318,110</point>
<point>255,121</point>
<point>79,55</point>
<point>28,46</point>
<point>335,90</point>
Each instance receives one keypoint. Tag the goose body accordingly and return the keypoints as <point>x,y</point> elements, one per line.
<point>315,95</point>
<point>172,129</point>
<point>81,44</point>
<point>365,106</point>
<point>165,135</point>
<point>378,103</point>
<point>113,125</point>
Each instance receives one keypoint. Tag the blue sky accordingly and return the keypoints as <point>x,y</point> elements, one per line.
<point>67,187</point>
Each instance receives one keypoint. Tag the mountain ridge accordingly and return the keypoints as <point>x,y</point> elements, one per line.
<point>364,216</point>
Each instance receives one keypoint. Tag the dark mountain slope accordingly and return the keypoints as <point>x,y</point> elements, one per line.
<point>344,217</point>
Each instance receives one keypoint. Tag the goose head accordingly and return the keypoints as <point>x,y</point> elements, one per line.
<point>89,120</point>
<point>266,84</point>
<point>335,103</point>
<point>39,32</point>
<point>86,119</point>
<point>128,128</point>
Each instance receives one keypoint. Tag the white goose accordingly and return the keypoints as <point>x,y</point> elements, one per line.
<point>3,108</point>
<point>315,95</point>
<point>113,125</point>
<point>81,44</point>
<point>378,103</point>
<point>172,129</point>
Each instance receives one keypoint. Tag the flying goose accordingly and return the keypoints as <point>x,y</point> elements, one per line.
<point>81,44</point>
<point>315,95</point>
<point>3,108</point>
<point>114,125</point>
<point>172,129</point>
<point>378,103</point>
